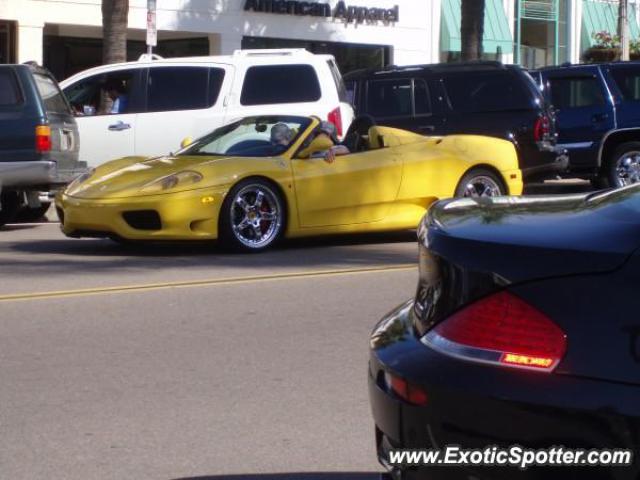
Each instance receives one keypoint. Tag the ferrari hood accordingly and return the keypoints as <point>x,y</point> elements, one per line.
<point>128,176</point>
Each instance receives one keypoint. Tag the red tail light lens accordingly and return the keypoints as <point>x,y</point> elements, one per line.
<point>335,117</point>
<point>406,391</point>
<point>43,139</point>
<point>501,329</point>
<point>542,129</point>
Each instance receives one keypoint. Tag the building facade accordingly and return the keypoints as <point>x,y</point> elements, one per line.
<point>65,35</point>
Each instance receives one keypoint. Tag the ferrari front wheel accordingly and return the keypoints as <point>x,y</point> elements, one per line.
<point>252,217</point>
<point>480,183</point>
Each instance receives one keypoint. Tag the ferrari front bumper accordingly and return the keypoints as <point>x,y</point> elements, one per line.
<point>185,215</point>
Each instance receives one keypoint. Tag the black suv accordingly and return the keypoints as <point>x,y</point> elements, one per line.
<point>598,118</point>
<point>38,139</point>
<point>483,98</point>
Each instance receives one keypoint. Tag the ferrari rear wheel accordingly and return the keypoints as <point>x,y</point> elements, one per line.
<point>252,217</point>
<point>480,183</point>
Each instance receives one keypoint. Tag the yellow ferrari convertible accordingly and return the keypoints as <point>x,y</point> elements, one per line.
<point>253,181</point>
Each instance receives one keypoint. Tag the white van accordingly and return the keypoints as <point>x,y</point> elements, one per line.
<point>148,107</point>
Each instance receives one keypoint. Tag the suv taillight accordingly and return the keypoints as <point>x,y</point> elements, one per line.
<point>43,139</point>
<point>542,129</point>
<point>335,117</point>
<point>501,329</point>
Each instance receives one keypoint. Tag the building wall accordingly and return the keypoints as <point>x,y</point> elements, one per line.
<point>414,37</point>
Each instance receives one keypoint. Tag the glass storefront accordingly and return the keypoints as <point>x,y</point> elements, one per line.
<point>7,42</point>
<point>542,32</point>
<point>64,56</point>
<point>349,56</point>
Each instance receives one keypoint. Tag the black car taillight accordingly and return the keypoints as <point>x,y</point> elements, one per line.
<point>501,329</point>
<point>542,129</point>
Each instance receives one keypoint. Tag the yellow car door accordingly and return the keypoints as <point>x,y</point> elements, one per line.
<point>356,188</point>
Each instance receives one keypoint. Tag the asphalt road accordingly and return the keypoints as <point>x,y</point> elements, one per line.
<point>183,362</point>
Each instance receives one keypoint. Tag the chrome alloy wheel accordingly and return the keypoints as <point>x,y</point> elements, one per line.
<point>628,169</point>
<point>256,216</point>
<point>481,186</point>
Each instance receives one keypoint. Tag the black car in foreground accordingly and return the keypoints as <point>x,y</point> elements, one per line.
<point>525,330</point>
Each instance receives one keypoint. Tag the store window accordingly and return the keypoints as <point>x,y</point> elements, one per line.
<point>7,42</point>
<point>349,56</point>
<point>9,91</point>
<point>542,32</point>
<point>65,56</point>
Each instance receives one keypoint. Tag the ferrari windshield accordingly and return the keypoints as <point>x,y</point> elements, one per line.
<point>265,136</point>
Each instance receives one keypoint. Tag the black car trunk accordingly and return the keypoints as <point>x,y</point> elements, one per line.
<point>471,248</point>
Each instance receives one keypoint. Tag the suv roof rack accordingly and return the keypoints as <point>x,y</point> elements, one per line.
<point>433,67</point>
<point>145,57</point>
<point>271,52</point>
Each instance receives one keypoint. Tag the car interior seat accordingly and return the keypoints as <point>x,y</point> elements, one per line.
<point>356,137</point>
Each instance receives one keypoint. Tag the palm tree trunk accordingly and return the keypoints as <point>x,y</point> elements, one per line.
<point>472,29</point>
<point>114,30</point>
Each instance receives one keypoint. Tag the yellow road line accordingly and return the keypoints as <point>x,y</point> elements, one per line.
<point>199,283</point>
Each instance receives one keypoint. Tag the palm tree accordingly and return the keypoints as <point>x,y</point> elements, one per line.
<point>472,29</point>
<point>115,15</point>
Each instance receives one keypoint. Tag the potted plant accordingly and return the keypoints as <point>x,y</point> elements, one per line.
<point>606,48</point>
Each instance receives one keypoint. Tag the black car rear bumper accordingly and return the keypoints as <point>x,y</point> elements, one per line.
<point>475,406</point>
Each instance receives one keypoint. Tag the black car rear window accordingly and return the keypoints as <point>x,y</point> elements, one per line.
<point>9,89</point>
<point>492,91</point>
<point>270,84</point>
<point>54,100</point>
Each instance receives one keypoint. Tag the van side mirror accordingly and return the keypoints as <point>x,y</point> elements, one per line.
<point>321,143</point>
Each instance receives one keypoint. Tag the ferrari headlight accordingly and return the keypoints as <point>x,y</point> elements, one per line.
<point>79,180</point>
<point>182,179</point>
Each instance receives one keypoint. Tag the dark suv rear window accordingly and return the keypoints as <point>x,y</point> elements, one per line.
<point>54,101</point>
<point>628,80</point>
<point>269,84</point>
<point>487,92</point>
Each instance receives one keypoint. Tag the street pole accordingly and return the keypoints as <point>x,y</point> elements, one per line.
<point>152,32</point>
<point>623,28</point>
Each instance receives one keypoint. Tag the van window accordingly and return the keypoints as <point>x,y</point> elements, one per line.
<point>103,94</point>
<point>337,78</point>
<point>269,84</point>
<point>576,92</point>
<point>54,101</point>
<point>473,92</point>
<point>183,88</point>
<point>9,89</point>
<point>389,98</point>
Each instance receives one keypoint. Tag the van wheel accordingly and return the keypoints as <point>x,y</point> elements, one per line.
<point>9,206</point>
<point>623,168</point>
<point>480,182</point>
<point>252,217</point>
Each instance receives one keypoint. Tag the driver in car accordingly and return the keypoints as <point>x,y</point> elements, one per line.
<point>281,134</point>
<point>328,129</point>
